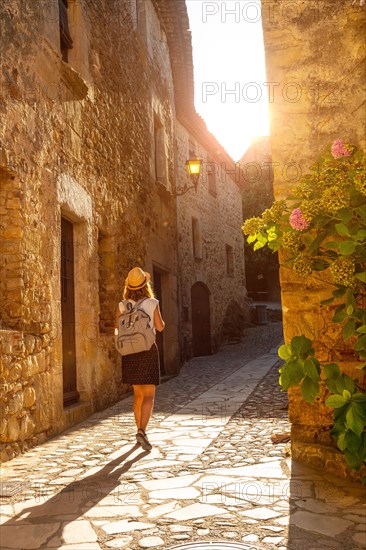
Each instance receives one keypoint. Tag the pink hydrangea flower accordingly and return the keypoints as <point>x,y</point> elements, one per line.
<point>339,149</point>
<point>297,220</point>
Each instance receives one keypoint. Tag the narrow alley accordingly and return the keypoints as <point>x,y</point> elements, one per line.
<point>213,474</point>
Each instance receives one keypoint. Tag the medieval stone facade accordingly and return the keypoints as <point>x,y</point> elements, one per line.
<point>89,168</point>
<point>212,279</point>
<point>315,62</point>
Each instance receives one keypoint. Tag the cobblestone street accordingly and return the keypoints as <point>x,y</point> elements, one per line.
<point>213,474</point>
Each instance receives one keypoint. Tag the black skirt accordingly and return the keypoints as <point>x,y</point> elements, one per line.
<point>141,368</point>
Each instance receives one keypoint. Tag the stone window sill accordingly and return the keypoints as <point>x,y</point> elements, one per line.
<point>74,81</point>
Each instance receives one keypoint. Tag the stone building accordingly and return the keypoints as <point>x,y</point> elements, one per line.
<point>315,57</point>
<point>90,94</point>
<point>213,308</point>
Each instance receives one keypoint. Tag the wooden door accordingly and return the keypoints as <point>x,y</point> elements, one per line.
<point>201,324</point>
<point>159,335</point>
<point>71,394</point>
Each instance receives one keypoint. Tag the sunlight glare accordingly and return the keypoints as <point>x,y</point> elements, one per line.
<point>229,72</point>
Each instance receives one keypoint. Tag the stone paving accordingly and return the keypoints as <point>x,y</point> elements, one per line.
<point>213,473</point>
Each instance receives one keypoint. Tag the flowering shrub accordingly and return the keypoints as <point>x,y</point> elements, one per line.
<point>322,227</point>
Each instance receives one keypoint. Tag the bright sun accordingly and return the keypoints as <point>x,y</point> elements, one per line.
<point>229,70</point>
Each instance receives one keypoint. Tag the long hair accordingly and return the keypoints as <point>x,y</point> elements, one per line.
<point>136,295</point>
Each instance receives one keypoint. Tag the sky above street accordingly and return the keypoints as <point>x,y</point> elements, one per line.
<point>229,70</point>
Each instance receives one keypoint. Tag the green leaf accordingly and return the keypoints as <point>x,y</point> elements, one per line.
<point>361,343</point>
<point>301,345</point>
<point>336,401</point>
<point>361,212</point>
<point>353,441</point>
<point>352,460</point>
<point>320,265</point>
<point>309,390</point>
<point>355,418</point>
<point>341,229</point>
<point>340,415</point>
<point>258,245</point>
<point>285,352</point>
<point>345,382</point>
<point>341,442</point>
<point>345,215</point>
<point>331,384</point>
<point>251,239</point>
<point>347,248</point>
<point>311,370</point>
<point>361,276</point>
<point>339,317</point>
<point>327,302</point>
<point>359,397</point>
<point>291,375</point>
<point>361,316</point>
<point>350,298</point>
<point>274,245</point>
<point>339,292</point>
<point>350,310</point>
<point>360,235</point>
<point>346,394</point>
<point>314,245</point>
<point>332,370</point>
<point>362,330</point>
<point>331,245</point>
<point>349,329</point>
<point>262,238</point>
<point>272,235</point>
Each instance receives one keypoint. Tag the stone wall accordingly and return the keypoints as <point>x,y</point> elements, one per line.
<point>315,53</point>
<point>218,209</point>
<point>77,140</point>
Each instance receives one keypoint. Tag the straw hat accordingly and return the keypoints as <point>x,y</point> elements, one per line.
<point>137,279</point>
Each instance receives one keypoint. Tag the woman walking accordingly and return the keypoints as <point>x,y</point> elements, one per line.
<point>142,370</point>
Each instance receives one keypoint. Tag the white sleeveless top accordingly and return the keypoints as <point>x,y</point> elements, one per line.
<point>148,305</point>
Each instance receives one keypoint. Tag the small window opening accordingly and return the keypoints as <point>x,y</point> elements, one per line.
<point>66,42</point>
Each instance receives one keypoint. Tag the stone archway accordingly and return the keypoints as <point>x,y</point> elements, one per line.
<point>201,319</point>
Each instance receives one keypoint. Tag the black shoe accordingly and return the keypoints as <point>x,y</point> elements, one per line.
<point>141,438</point>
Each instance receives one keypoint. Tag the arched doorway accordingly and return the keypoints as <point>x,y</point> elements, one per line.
<point>201,324</point>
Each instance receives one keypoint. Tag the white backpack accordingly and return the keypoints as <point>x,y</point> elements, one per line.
<point>135,330</point>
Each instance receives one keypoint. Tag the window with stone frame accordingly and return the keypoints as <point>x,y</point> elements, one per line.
<point>160,152</point>
<point>229,260</point>
<point>66,42</point>
<point>196,239</point>
<point>211,173</point>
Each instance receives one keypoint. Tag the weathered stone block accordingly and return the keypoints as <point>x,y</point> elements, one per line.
<point>12,233</point>
<point>45,415</point>
<point>26,427</point>
<point>29,342</point>
<point>15,372</point>
<point>13,204</point>
<point>3,426</point>
<point>16,403</point>
<point>13,429</point>
<point>29,396</point>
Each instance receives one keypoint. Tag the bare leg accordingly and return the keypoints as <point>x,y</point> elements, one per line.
<point>137,402</point>
<point>148,392</point>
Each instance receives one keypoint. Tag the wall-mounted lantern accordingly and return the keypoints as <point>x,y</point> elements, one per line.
<point>194,167</point>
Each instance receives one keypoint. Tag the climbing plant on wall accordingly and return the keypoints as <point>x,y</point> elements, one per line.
<point>321,227</point>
